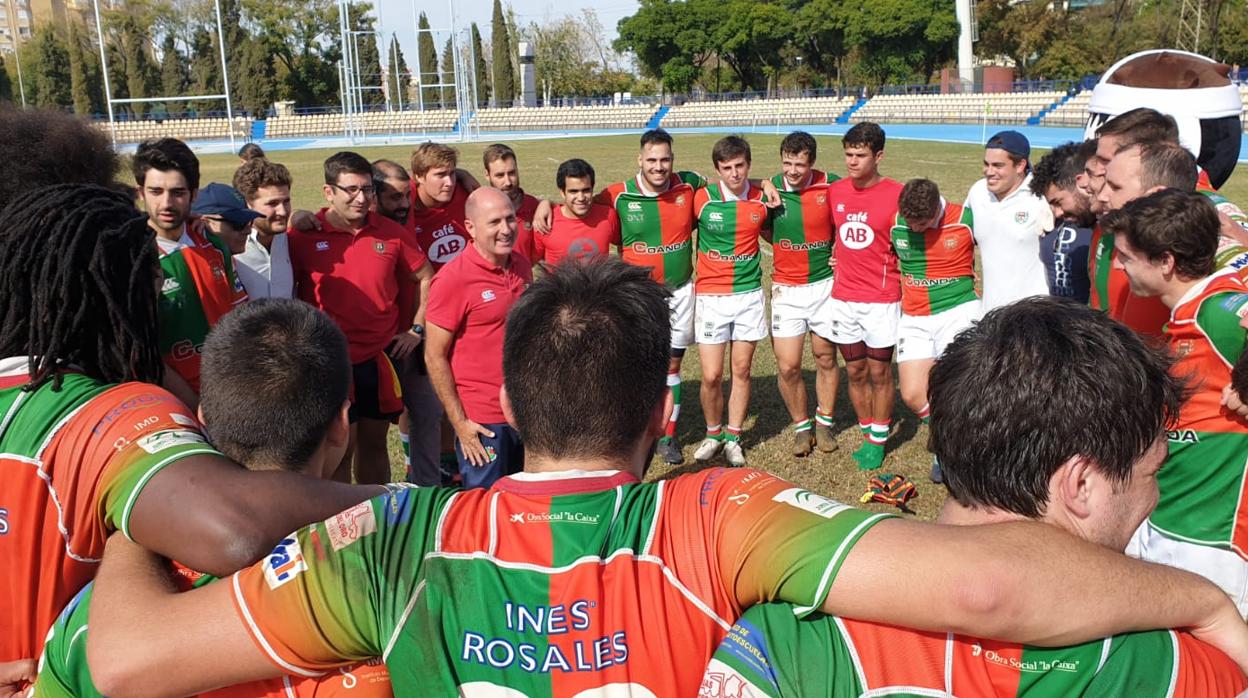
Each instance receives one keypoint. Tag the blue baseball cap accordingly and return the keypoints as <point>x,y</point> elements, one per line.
<point>1011,142</point>
<point>224,202</point>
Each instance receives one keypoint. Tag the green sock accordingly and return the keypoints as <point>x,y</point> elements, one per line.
<point>732,433</point>
<point>715,431</point>
<point>803,425</point>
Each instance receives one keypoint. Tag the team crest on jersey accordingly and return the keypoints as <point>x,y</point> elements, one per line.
<point>380,247</point>
<point>821,199</point>
<point>1183,348</point>
<point>755,217</point>
<point>951,243</point>
<point>680,200</point>
<point>1021,217</point>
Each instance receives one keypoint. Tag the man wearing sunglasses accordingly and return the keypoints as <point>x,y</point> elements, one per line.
<point>350,268</point>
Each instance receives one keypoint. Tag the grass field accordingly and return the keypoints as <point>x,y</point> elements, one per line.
<point>954,166</point>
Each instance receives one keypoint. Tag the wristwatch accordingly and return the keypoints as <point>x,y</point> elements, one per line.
<point>419,330</point>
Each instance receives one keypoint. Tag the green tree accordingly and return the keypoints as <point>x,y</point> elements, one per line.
<point>503,79</point>
<point>84,80</point>
<point>901,41</point>
<point>257,89</point>
<point>304,39</point>
<point>428,64</point>
<point>6,85</point>
<point>368,57</point>
<point>397,74</point>
<point>479,68</point>
<point>174,77</point>
<point>819,37</point>
<point>447,96</point>
<point>50,68</point>
<point>672,40</point>
<point>205,68</point>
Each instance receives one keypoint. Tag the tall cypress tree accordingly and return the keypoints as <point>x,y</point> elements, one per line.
<point>205,68</point>
<point>479,69</point>
<point>79,82</point>
<point>447,95</point>
<point>398,73</point>
<point>428,64</point>
<point>174,77</point>
<point>51,67</point>
<point>6,85</point>
<point>504,80</point>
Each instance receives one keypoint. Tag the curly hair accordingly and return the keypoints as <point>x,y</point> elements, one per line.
<point>42,148</point>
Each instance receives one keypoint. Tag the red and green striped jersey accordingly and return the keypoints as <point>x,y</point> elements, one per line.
<point>64,673</point>
<point>1204,496</point>
<point>938,264</point>
<point>560,584</point>
<point>200,286</point>
<point>657,229</point>
<point>801,232</point>
<point>1111,292</point>
<point>73,462</point>
<point>729,230</point>
<point>771,653</point>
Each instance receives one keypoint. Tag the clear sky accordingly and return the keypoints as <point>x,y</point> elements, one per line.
<point>397,18</point>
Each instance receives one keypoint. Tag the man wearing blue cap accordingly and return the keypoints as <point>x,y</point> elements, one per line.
<point>1009,221</point>
<point>226,215</point>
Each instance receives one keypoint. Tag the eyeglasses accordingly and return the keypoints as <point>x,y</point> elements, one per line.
<point>353,192</point>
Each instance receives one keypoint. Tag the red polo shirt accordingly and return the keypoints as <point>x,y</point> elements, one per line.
<point>524,226</point>
<point>354,277</point>
<point>440,231</point>
<point>470,298</point>
<point>583,238</point>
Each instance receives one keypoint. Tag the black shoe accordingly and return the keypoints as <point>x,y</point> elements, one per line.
<point>669,451</point>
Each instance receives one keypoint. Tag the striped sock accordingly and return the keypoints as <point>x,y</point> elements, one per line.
<point>823,418</point>
<point>732,433</point>
<point>673,382</point>
<point>804,425</point>
<point>865,427</point>
<point>879,433</point>
<point>715,431</point>
<point>925,413</point>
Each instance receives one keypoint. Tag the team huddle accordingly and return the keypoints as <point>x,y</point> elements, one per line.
<point>188,390</point>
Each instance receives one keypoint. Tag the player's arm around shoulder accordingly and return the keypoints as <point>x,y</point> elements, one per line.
<point>1219,317</point>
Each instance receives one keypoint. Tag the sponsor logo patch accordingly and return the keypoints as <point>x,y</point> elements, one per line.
<point>809,501</point>
<point>346,527</point>
<point>155,443</point>
<point>487,295</point>
<point>322,245</point>
<point>284,563</point>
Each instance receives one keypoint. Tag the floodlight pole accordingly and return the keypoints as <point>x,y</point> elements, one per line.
<point>225,76</point>
<point>108,92</point>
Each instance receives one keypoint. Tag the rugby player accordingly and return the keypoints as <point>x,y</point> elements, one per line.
<point>438,193</point>
<point>579,228</point>
<point>1064,362</point>
<point>935,245</point>
<point>502,173</point>
<point>349,267</point>
<point>468,304</point>
<point>1166,244</point>
<point>1059,179</point>
<point>224,214</point>
<point>200,285</point>
<point>87,448</point>
<point>276,378</point>
<point>730,312</point>
<point>801,290</point>
<point>576,577</point>
<point>866,296</point>
<point>264,267</point>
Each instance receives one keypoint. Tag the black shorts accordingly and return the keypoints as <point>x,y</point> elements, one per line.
<point>375,390</point>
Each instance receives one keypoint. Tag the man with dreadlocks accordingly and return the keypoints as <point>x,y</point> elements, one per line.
<point>200,285</point>
<point>88,445</point>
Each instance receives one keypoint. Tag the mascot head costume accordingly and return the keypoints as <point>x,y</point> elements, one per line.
<point>1195,90</point>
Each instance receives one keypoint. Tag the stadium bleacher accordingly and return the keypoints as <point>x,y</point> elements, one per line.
<point>758,112</point>
<point>1007,107</point>
<point>430,120</point>
<point>625,116</point>
<point>202,129</point>
<point>1073,113</point>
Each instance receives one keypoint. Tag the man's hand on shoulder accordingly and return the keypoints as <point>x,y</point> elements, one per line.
<point>543,216</point>
<point>304,221</point>
<point>14,676</point>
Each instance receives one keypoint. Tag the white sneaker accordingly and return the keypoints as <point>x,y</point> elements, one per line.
<point>734,454</point>
<point>707,449</point>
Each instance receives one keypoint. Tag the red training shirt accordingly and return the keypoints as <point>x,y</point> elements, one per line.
<point>470,298</point>
<point>440,231</point>
<point>582,238</point>
<point>866,266</point>
<point>354,277</point>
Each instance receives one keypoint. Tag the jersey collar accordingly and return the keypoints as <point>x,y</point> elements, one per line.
<point>646,191</point>
<point>565,482</point>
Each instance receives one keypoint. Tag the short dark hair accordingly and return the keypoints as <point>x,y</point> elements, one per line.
<point>864,133</point>
<point>250,151</point>
<point>919,200</point>
<point>597,334</point>
<point>730,147</point>
<point>498,151</point>
<point>388,169</point>
<point>1182,224</point>
<point>1087,149</point>
<point>165,154</point>
<point>799,142</point>
<point>1165,164</point>
<point>1039,382</point>
<point>1139,125</point>
<point>656,135</point>
<point>275,374</point>
<point>346,162</point>
<point>260,172</point>
<point>575,168</point>
<point>42,148</point>
<point>1058,167</point>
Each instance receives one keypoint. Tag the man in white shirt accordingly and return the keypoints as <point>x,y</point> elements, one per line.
<point>1009,222</point>
<point>264,267</point>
